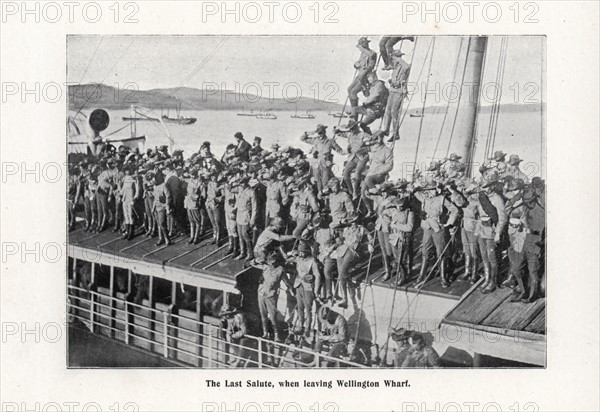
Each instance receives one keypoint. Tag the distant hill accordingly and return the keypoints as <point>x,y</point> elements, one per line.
<point>94,95</point>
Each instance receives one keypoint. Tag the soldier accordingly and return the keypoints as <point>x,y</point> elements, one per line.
<point>305,205</point>
<point>452,167</point>
<point>354,242</point>
<point>513,169</point>
<point>365,65</point>
<point>277,197</point>
<point>242,147</point>
<point>325,238</point>
<point>246,218</point>
<point>382,197</point>
<point>382,162</point>
<point>401,337</point>
<point>526,232</point>
<point>161,208</point>
<point>73,193</point>
<point>374,106</point>
<point>438,213</point>
<point>468,201</point>
<point>321,150</point>
<point>88,190</point>
<point>401,234</point>
<point>174,187</point>
<point>334,332</point>
<point>150,220</point>
<point>271,239</point>
<point>230,200</point>
<point>397,94</point>
<point>420,355</point>
<point>306,282</point>
<point>117,185</point>
<point>214,207</point>
<point>358,156</point>
<point>260,191</point>
<point>490,225</point>
<point>268,293</point>
<point>340,203</point>
<point>192,203</point>
<point>256,149</point>
<point>239,326</point>
<point>103,191</point>
<point>497,165</point>
<point>129,192</point>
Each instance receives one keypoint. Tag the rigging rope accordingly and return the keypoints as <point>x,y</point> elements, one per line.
<point>448,103</point>
<point>399,122</point>
<point>424,101</point>
<point>104,78</point>
<point>492,126</point>
<point>92,59</point>
<point>417,82</point>
<point>499,100</point>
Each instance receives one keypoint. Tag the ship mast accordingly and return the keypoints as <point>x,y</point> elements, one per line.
<point>466,118</point>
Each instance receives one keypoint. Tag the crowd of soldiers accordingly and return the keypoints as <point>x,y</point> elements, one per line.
<point>286,212</point>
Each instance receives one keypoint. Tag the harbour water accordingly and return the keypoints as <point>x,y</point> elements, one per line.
<point>518,132</point>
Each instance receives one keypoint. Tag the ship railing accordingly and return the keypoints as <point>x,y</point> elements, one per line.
<point>198,344</point>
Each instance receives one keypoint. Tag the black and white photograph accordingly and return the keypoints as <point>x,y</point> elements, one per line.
<point>299,206</point>
<point>366,201</point>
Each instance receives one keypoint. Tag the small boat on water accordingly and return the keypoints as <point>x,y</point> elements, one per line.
<point>417,114</point>
<point>338,115</point>
<point>267,115</point>
<point>307,115</point>
<point>244,113</point>
<point>179,119</point>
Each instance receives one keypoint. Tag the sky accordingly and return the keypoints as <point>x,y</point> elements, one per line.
<point>318,67</point>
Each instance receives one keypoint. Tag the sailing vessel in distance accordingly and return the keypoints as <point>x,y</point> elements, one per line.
<point>243,113</point>
<point>179,119</point>
<point>307,115</point>
<point>266,115</point>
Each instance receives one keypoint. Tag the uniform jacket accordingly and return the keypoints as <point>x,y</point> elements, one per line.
<point>354,239</point>
<point>162,198</point>
<point>382,160</point>
<point>305,205</point>
<point>192,197</point>
<point>321,145</point>
<point>436,209</point>
<point>246,207</point>
<point>484,230</point>
<point>271,277</point>
<point>399,75</point>
<point>277,197</point>
<point>242,149</point>
<point>402,225</point>
<point>230,204</point>
<point>129,189</point>
<point>325,238</point>
<point>340,205</point>
<point>214,197</point>
<point>305,267</point>
<point>378,95</point>
<point>367,60</point>
<point>338,331</point>
<point>356,145</point>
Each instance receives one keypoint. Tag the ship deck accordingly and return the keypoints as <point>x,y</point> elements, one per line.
<point>490,324</point>
<point>207,261</point>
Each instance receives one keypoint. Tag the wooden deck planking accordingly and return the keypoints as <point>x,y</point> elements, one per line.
<point>478,306</point>
<point>538,324</point>
<point>514,315</point>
